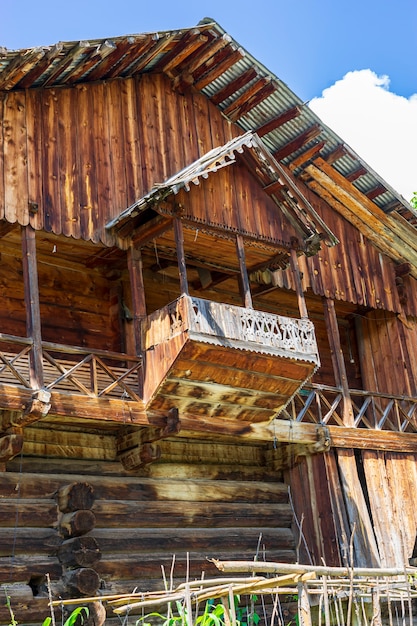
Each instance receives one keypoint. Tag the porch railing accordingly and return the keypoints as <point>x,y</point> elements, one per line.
<point>71,369</point>
<point>371,410</point>
<point>292,337</point>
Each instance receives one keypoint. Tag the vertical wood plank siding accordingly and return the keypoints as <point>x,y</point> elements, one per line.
<point>85,153</point>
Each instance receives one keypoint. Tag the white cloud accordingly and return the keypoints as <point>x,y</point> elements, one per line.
<point>379,125</point>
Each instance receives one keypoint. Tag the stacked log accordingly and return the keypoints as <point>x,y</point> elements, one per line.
<point>79,553</point>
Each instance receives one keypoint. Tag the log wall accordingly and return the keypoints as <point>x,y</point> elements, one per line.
<point>205,500</point>
<point>78,306</point>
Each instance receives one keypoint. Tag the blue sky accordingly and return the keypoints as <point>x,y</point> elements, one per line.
<point>310,44</point>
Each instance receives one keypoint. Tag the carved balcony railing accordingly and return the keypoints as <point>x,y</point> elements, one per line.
<point>70,369</point>
<point>245,328</point>
<point>371,410</point>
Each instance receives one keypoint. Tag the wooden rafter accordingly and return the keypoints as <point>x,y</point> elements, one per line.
<point>218,68</point>
<point>191,42</point>
<point>394,237</point>
<point>31,76</point>
<point>278,121</point>
<point>120,58</point>
<point>203,57</point>
<point>235,85</point>
<point>257,92</point>
<point>306,156</point>
<point>19,67</point>
<point>77,51</point>
<point>297,143</point>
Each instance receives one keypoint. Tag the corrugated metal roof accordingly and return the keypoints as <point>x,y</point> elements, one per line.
<point>208,58</point>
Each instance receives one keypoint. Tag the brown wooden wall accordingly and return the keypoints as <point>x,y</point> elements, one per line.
<point>352,271</point>
<point>205,499</point>
<point>84,154</point>
<point>336,493</point>
<point>388,353</point>
<point>79,306</point>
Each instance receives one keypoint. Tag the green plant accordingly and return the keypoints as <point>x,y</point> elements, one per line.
<point>413,200</point>
<point>72,619</point>
<point>13,622</point>
<point>213,615</point>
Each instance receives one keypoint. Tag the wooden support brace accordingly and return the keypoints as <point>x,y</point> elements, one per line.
<point>138,449</point>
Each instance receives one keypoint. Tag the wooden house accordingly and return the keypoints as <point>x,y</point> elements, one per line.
<point>208,330</point>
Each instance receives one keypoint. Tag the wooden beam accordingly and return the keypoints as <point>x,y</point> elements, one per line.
<point>203,57</point>
<point>339,152</point>
<point>297,143</point>
<point>307,155</point>
<point>182,269</point>
<point>235,85</point>
<point>336,351</point>
<point>298,286</point>
<point>217,69</point>
<point>360,171</point>
<point>191,41</point>
<point>375,192</point>
<point>390,233</point>
<point>244,278</point>
<point>249,99</point>
<point>135,266</point>
<point>33,315</point>
<point>278,121</point>
<point>151,230</point>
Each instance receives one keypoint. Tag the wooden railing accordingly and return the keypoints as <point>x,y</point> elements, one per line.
<point>291,337</point>
<point>371,410</point>
<point>70,369</point>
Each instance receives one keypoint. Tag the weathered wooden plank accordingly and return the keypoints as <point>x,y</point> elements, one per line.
<point>34,113</point>
<point>15,159</point>
<point>50,163</point>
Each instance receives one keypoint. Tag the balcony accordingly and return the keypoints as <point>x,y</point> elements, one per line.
<point>212,360</point>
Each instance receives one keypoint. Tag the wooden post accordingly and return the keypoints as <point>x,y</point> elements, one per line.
<point>337,359</point>
<point>298,286</point>
<point>244,278</point>
<point>179,240</point>
<point>134,263</point>
<point>33,316</point>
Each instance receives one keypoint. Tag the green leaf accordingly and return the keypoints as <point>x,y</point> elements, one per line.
<point>47,621</point>
<point>74,615</point>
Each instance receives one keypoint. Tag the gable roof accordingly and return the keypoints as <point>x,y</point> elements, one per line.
<point>211,61</point>
<point>270,175</point>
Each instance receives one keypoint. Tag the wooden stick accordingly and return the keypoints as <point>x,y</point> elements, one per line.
<point>290,568</point>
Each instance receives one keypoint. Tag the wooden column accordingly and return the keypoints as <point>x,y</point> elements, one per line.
<point>337,359</point>
<point>134,263</point>
<point>179,240</point>
<point>244,278</point>
<point>33,316</point>
<point>298,286</point>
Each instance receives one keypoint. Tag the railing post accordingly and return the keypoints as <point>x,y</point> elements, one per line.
<point>33,316</point>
